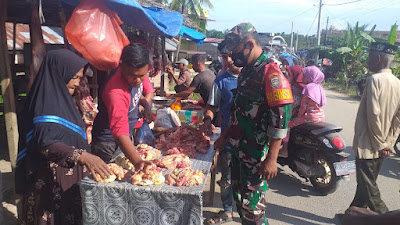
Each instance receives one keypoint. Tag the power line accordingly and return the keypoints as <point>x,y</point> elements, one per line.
<point>361,8</point>
<point>291,18</point>
<point>343,3</point>
<point>368,11</point>
<point>388,3</point>
<point>333,17</point>
<point>312,23</point>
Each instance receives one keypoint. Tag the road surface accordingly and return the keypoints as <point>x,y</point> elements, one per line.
<point>291,200</point>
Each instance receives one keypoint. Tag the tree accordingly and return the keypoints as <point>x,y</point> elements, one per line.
<point>350,53</point>
<point>216,33</point>
<point>194,8</point>
<point>391,39</point>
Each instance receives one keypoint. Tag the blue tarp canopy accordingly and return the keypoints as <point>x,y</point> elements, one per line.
<point>193,35</point>
<point>149,19</point>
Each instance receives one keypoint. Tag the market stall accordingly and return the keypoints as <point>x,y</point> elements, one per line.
<point>124,203</point>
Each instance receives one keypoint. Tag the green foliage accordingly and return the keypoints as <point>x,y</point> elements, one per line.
<point>392,36</point>
<point>216,33</point>
<point>192,7</point>
<point>391,39</point>
<point>349,54</point>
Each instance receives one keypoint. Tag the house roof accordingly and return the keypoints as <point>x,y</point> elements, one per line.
<point>192,52</point>
<point>213,40</point>
<point>50,35</point>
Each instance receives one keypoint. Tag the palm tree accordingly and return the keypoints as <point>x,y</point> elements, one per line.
<point>194,7</point>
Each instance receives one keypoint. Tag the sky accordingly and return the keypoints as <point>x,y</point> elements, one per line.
<point>277,15</point>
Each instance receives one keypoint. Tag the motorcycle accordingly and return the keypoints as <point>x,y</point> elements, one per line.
<point>360,85</point>
<point>396,146</point>
<point>316,152</point>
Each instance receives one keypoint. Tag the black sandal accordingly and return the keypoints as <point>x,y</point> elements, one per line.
<point>219,218</point>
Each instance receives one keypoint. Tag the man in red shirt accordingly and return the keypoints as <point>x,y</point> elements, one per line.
<point>148,94</point>
<point>119,107</point>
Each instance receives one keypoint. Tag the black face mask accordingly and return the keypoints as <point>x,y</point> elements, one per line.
<point>239,59</point>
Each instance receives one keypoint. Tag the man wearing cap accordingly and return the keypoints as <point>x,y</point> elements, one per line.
<point>202,82</point>
<point>184,80</point>
<point>257,127</point>
<point>377,126</point>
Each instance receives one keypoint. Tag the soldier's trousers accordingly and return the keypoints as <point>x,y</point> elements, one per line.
<point>367,193</point>
<point>248,192</point>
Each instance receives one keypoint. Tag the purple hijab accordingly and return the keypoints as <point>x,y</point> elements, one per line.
<point>314,89</point>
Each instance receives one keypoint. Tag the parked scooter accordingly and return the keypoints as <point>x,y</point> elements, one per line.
<point>316,152</point>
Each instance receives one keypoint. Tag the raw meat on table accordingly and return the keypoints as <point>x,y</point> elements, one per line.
<point>186,139</point>
<point>124,163</point>
<point>147,152</point>
<point>173,161</point>
<point>117,171</point>
<point>107,180</point>
<point>150,175</point>
<point>185,177</point>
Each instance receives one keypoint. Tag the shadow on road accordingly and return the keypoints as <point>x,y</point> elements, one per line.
<point>288,184</point>
<point>348,99</point>
<point>391,168</point>
<point>295,216</point>
<point>217,204</point>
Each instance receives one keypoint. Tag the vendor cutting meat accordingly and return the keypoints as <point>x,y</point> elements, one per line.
<point>184,80</point>
<point>202,82</point>
<point>119,107</point>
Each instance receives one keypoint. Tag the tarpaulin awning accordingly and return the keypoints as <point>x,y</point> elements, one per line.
<point>193,35</point>
<point>149,19</point>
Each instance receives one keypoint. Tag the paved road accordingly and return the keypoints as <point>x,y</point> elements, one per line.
<point>292,201</point>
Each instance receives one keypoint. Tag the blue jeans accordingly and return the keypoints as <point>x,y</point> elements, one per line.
<point>225,182</point>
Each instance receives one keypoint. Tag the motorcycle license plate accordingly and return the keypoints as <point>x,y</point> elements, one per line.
<point>345,168</point>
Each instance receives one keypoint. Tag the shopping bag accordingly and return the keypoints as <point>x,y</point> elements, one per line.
<point>94,31</point>
<point>145,135</point>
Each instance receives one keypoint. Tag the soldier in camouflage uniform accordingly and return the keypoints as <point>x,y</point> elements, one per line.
<point>256,130</point>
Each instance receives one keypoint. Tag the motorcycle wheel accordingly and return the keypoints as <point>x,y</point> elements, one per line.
<point>359,94</point>
<point>328,182</point>
<point>396,147</point>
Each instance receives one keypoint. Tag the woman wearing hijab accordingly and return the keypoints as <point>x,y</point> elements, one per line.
<point>313,98</point>
<point>295,78</point>
<point>54,158</point>
<point>296,82</point>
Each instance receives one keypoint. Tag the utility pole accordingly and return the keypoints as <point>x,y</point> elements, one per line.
<point>291,38</point>
<point>319,30</point>
<point>326,30</point>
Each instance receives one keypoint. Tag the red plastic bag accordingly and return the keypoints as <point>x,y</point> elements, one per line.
<point>277,87</point>
<point>94,31</point>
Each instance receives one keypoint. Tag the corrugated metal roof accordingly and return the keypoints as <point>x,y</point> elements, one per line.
<point>50,36</point>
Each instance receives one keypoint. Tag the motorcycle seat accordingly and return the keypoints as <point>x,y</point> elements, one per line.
<point>317,128</point>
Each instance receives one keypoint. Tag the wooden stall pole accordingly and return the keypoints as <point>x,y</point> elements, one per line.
<point>14,51</point>
<point>7,90</point>
<point>63,20</point>
<point>178,49</point>
<point>37,43</point>
<point>162,81</point>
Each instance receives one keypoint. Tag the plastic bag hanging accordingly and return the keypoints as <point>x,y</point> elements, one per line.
<point>94,31</point>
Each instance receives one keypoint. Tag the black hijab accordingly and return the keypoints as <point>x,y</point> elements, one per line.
<point>49,96</point>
